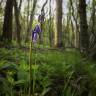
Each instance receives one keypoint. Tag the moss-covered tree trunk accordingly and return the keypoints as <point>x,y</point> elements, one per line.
<point>58,33</point>
<point>18,25</point>
<point>7,26</point>
<point>50,25</point>
<point>84,38</point>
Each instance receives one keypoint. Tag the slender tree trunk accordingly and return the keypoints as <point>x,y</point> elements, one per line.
<point>92,26</point>
<point>31,20</point>
<point>73,34</point>
<point>18,26</point>
<point>7,26</point>
<point>59,42</point>
<point>1,2</point>
<point>28,13</point>
<point>50,26</point>
<point>42,23</point>
<point>76,33</point>
<point>41,34</point>
<point>20,4</point>
<point>84,38</point>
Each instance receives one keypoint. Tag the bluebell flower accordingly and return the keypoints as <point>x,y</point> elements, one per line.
<point>35,33</point>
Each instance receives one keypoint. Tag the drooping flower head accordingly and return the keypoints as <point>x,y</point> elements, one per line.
<point>41,17</point>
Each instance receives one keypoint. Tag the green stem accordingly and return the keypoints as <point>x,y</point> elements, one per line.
<point>34,75</point>
<point>30,66</point>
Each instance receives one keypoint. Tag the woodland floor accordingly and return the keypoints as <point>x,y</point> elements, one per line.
<point>57,72</point>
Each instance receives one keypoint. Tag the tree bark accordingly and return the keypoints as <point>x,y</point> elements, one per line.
<point>84,38</point>
<point>31,20</point>
<point>20,4</point>
<point>92,29</point>
<point>1,2</point>
<point>92,25</point>
<point>18,25</point>
<point>59,42</point>
<point>76,33</point>
<point>7,26</point>
<point>50,26</point>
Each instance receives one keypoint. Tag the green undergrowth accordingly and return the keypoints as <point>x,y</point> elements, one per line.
<point>54,73</point>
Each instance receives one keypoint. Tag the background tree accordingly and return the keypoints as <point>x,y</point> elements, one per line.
<point>50,25</point>
<point>75,18</point>
<point>18,25</point>
<point>84,37</point>
<point>58,33</point>
<point>7,26</point>
<point>31,19</point>
<point>92,30</point>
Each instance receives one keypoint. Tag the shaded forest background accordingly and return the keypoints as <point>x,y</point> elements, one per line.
<point>63,60</point>
<point>75,29</point>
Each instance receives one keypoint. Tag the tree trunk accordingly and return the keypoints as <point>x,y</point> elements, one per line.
<point>1,2</point>
<point>92,25</point>
<point>31,20</point>
<point>7,26</point>
<point>50,26</point>
<point>59,42</point>
<point>20,4</point>
<point>76,33</point>
<point>18,26</point>
<point>28,13</point>
<point>92,30</point>
<point>84,38</point>
<point>41,34</point>
<point>42,23</point>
